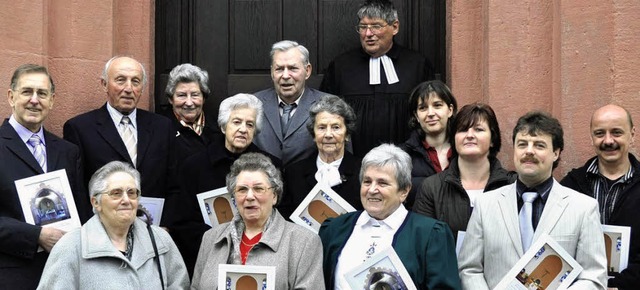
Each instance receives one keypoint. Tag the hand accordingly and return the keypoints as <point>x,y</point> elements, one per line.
<point>49,237</point>
<point>165,229</point>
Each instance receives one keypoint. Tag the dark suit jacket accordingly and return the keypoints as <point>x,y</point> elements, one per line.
<point>99,143</point>
<point>300,178</point>
<point>298,143</point>
<point>20,263</point>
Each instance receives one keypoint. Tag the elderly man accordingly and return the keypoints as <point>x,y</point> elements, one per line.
<point>612,177</point>
<point>120,131</point>
<point>376,80</point>
<point>286,105</point>
<point>27,149</point>
<point>508,220</point>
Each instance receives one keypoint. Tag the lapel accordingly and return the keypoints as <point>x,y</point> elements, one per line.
<point>302,112</point>
<point>144,135</point>
<point>272,112</point>
<point>508,204</point>
<point>53,151</point>
<point>309,169</point>
<point>556,204</point>
<point>107,130</point>
<point>18,148</point>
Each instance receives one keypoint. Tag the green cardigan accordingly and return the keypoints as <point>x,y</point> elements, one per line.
<point>425,247</point>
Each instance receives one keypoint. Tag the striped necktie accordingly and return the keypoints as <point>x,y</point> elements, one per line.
<point>39,151</point>
<point>129,139</point>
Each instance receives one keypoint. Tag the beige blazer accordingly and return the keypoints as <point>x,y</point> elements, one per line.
<point>492,244</point>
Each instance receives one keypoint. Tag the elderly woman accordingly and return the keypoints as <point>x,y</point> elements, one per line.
<point>432,105</point>
<point>449,195</point>
<point>332,124</point>
<point>259,235</point>
<point>187,89</point>
<point>114,249</point>
<point>240,119</point>
<point>425,246</point>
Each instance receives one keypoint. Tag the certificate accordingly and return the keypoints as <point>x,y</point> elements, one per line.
<point>217,206</point>
<point>153,207</point>
<point>616,241</point>
<point>382,271</point>
<point>320,204</point>
<point>240,277</point>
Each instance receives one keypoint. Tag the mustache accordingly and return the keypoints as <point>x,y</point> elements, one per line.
<point>530,159</point>
<point>609,147</point>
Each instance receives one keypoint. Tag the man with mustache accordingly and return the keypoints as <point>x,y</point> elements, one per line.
<point>612,177</point>
<point>507,221</point>
<point>286,105</point>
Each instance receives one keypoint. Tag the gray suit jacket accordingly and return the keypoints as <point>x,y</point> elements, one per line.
<point>298,143</point>
<point>492,244</point>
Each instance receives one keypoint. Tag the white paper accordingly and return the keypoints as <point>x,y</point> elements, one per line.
<point>217,206</point>
<point>319,204</point>
<point>153,206</point>
<point>383,270</point>
<point>239,277</point>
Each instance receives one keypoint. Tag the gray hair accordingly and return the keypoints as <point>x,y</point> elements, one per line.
<point>332,105</point>
<point>285,45</point>
<point>240,101</point>
<point>253,162</point>
<point>382,9</point>
<point>187,73</point>
<point>389,154</point>
<point>98,182</point>
<point>30,68</point>
<point>105,75</point>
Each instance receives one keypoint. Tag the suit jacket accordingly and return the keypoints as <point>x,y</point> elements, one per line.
<point>20,263</point>
<point>100,143</point>
<point>300,178</point>
<point>492,244</point>
<point>297,144</point>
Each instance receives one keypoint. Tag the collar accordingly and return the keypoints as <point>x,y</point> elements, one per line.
<point>196,127</point>
<point>542,189</point>
<point>394,221</point>
<point>25,133</point>
<point>116,116</point>
<point>320,163</point>
<point>593,169</point>
<point>297,101</point>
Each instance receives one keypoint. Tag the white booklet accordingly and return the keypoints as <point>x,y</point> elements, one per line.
<point>320,204</point>
<point>47,201</point>
<point>217,206</point>
<point>546,265</point>
<point>616,241</point>
<point>383,270</point>
<point>153,206</point>
<point>238,277</point>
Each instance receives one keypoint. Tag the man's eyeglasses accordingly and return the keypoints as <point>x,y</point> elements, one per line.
<point>257,190</point>
<point>375,28</point>
<point>118,193</point>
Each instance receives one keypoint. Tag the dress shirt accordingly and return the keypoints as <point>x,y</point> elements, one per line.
<point>328,172</point>
<point>116,117</point>
<point>543,190</point>
<point>294,109</point>
<point>25,134</point>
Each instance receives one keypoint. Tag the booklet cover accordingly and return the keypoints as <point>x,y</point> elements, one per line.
<point>382,271</point>
<point>321,203</point>
<point>616,241</point>
<point>153,206</point>
<point>240,277</point>
<point>217,206</point>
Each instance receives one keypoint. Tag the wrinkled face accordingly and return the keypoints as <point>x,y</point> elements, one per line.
<point>533,157</point>
<point>187,101</point>
<point>124,84</point>
<point>475,141</point>
<point>379,192</point>
<point>330,133</point>
<point>255,205</point>
<point>289,73</point>
<point>116,212</point>
<point>377,43</point>
<point>611,134</point>
<point>433,115</point>
<point>240,129</point>
<point>32,100</point>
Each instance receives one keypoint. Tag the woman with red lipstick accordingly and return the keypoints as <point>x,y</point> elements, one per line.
<point>432,106</point>
<point>449,195</point>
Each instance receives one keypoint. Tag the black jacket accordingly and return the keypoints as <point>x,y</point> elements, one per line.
<point>625,213</point>
<point>442,196</point>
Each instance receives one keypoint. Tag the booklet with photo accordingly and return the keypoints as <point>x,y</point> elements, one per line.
<point>383,270</point>
<point>321,203</point>
<point>217,206</point>
<point>616,241</point>
<point>47,201</point>
<point>239,277</point>
<point>546,265</point>
<point>153,206</point>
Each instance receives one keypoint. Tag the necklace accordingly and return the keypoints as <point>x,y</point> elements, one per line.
<point>248,245</point>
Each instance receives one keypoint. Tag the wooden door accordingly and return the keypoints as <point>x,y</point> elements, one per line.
<point>231,39</point>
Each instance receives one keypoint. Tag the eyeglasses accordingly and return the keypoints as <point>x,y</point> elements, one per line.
<point>28,93</point>
<point>257,190</point>
<point>118,193</point>
<point>375,28</point>
<point>184,96</point>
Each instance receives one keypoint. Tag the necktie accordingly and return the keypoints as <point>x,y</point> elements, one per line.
<point>129,139</point>
<point>286,115</point>
<point>526,224</point>
<point>38,151</point>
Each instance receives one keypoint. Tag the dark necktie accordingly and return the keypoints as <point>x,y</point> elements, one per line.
<point>286,115</point>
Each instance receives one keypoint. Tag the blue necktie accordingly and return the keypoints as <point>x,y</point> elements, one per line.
<point>526,220</point>
<point>38,151</point>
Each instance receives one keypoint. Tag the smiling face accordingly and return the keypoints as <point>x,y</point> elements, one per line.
<point>289,74</point>
<point>611,134</point>
<point>240,129</point>
<point>187,101</point>
<point>255,209</point>
<point>330,133</point>
<point>433,115</point>
<point>533,157</point>
<point>379,192</point>
<point>116,212</point>
<point>124,84</point>
<point>32,100</point>
<point>474,142</point>
<point>378,43</point>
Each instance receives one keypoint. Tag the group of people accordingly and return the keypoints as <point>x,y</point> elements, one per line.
<point>270,149</point>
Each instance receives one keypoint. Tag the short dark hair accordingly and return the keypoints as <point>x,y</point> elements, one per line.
<point>382,9</point>
<point>30,68</point>
<point>471,114</point>
<point>537,122</point>
<point>332,105</point>
<point>421,94</point>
